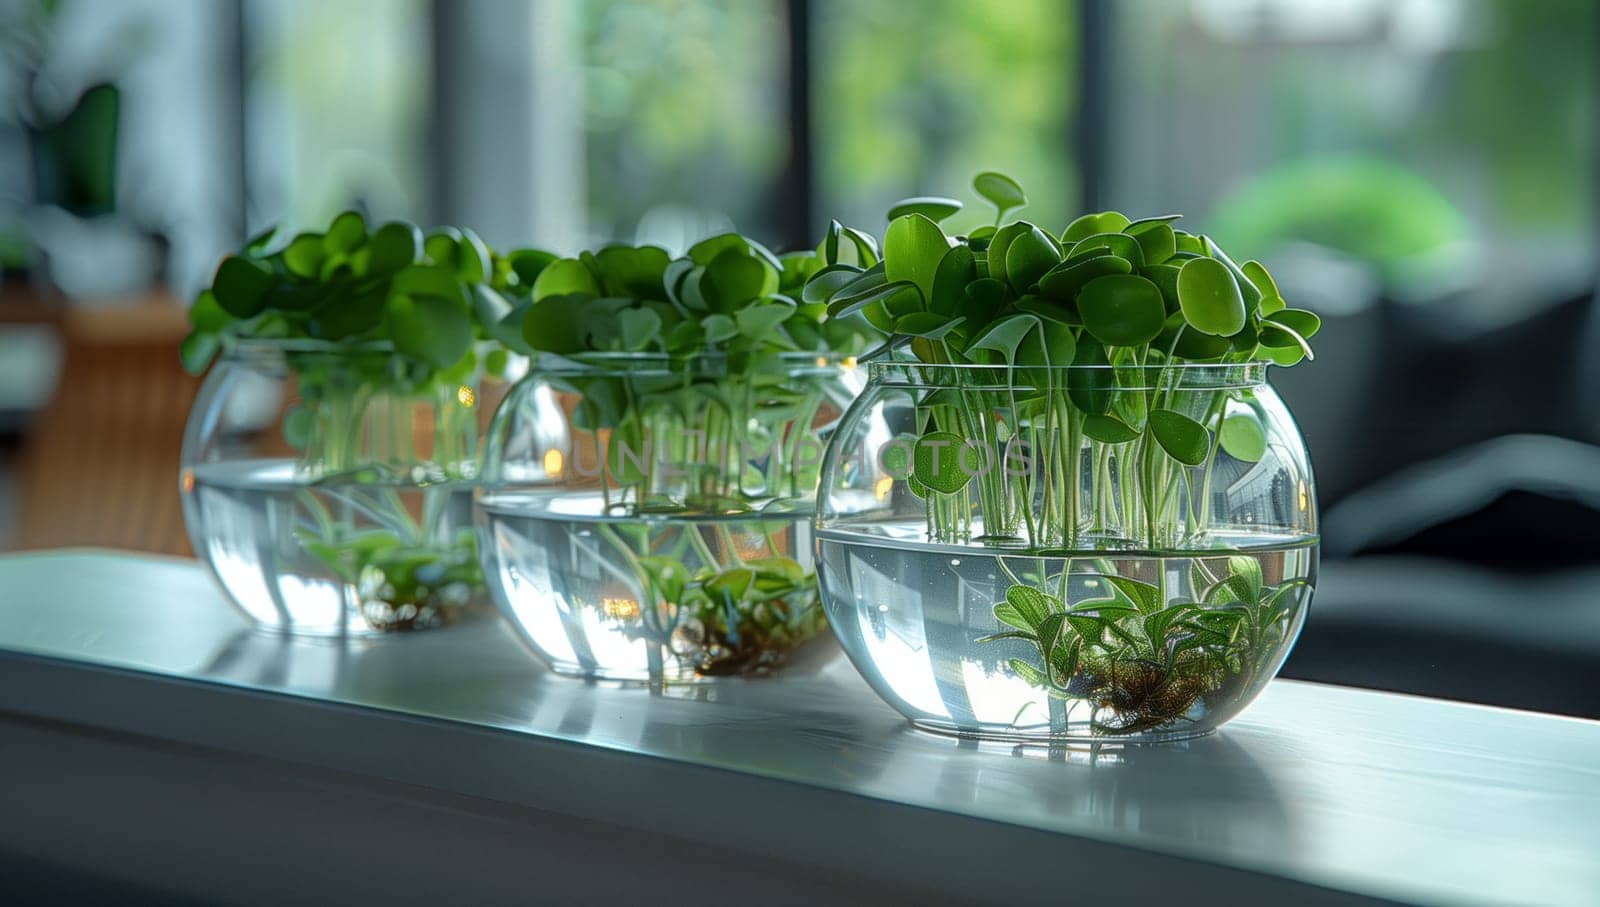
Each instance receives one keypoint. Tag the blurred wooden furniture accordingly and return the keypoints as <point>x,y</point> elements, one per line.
<point>100,465</point>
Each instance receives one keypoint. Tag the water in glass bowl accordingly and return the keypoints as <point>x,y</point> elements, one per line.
<point>352,554</point>
<point>1055,645</point>
<point>648,597</point>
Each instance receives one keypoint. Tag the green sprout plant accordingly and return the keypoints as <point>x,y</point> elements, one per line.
<point>700,382</point>
<point>1061,422</point>
<point>373,324</point>
<point>1138,660</point>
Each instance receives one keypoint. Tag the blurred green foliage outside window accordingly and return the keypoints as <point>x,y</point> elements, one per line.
<point>914,98</point>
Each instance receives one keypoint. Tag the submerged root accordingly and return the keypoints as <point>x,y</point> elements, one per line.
<point>761,638</point>
<point>1144,696</point>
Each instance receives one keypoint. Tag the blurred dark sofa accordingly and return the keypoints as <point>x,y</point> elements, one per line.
<point>1460,488</point>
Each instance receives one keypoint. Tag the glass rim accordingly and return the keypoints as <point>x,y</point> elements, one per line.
<point>1174,376</point>
<point>709,363</point>
<point>250,347</point>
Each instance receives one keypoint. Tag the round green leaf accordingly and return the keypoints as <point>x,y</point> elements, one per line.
<point>1284,357</point>
<point>719,328</point>
<point>635,271</point>
<point>431,329</point>
<point>932,207</point>
<point>197,350</point>
<point>1242,437</point>
<point>1119,243</point>
<point>1156,241</point>
<point>563,277</point>
<point>1090,224</point>
<point>442,247</point>
<point>551,324</point>
<point>346,316</point>
<point>1210,297</point>
<point>912,250</point>
<point>956,270</point>
<point>393,246</point>
<point>1029,257</point>
<point>866,247</point>
<point>943,462</point>
<point>1247,290</point>
<point>429,280</point>
<point>1122,309</point>
<point>346,234</point>
<point>298,424</point>
<point>887,307</point>
<point>206,316</point>
<point>1184,439</point>
<point>851,300</point>
<point>638,327</point>
<point>669,576</point>
<point>999,190</point>
<point>1190,343</point>
<point>473,265</point>
<point>1048,310</point>
<point>1064,281</point>
<point>497,362</point>
<point>241,286</point>
<point>1050,344</point>
<point>1165,277</point>
<point>1108,429</point>
<point>303,255</point>
<point>1089,384</point>
<point>1277,336</point>
<point>895,456</point>
<point>706,250</point>
<point>1135,227</point>
<point>825,283</point>
<point>734,278</point>
<point>925,324</point>
<point>757,322</point>
<point>1004,336</point>
<point>528,264</point>
<point>1301,321</point>
<point>995,257</point>
<point>1248,337</point>
<point>1256,272</point>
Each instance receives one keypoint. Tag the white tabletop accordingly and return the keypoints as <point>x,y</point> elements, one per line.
<point>1354,792</point>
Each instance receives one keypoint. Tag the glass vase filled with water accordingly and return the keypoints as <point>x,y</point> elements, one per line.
<point>1067,552</point>
<point>648,518</point>
<point>329,488</point>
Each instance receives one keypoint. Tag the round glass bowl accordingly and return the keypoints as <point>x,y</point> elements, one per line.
<point>649,518</point>
<point>1084,552</point>
<point>328,487</point>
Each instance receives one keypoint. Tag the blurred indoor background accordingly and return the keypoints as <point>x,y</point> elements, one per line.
<point>1422,173</point>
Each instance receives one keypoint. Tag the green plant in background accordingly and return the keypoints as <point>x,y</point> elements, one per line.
<point>1374,211</point>
<point>700,382</point>
<point>1119,451</point>
<point>372,324</point>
